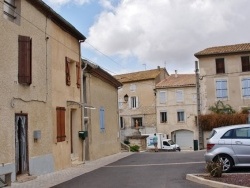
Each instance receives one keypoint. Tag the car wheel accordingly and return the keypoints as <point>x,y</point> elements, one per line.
<point>227,162</point>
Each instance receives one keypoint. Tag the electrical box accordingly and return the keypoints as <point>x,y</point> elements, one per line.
<point>83,134</point>
<point>37,134</point>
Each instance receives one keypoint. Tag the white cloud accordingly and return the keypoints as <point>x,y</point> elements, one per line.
<point>169,31</point>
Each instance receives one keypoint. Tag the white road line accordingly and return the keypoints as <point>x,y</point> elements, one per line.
<point>162,164</point>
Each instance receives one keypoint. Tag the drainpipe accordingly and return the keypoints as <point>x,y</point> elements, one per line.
<point>82,100</point>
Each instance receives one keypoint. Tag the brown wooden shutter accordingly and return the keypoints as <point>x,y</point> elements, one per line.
<point>220,66</point>
<point>78,75</point>
<point>67,71</point>
<point>24,60</point>
<point>60,113</point>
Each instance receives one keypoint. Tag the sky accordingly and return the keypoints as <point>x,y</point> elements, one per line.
<point>135,35</point>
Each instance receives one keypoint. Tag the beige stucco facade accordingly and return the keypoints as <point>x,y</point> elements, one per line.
<point>101,94</point>
<point>36,103</point>
<point>232,71</point>
<point>172,127</point>
<point>138,114</point>
<point>233,74</point>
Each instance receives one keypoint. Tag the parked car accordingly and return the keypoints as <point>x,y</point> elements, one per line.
<point>230,145</point>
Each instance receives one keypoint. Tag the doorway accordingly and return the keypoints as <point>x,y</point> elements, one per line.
<point>21,146</point>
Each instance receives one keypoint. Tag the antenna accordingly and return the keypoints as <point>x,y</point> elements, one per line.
<point>145,66</point>
<point>165,64</point>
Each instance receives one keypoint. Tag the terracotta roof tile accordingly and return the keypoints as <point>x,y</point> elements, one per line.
<point>139,76</point>
<point>181,80</point>
<point>230,49</point>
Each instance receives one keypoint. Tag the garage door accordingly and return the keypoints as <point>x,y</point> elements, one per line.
<point>184,138</point>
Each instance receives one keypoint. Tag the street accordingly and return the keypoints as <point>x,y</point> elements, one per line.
<point>145,169</point>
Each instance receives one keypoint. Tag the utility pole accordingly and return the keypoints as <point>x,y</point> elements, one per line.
<point>200,132</point>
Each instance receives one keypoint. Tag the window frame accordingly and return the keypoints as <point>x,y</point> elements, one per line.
<point>245,63</point>
<point>179,118</point>
<point>163,116</point>
<point>162,97</point>
<point>140,121</point>
<point>9,9</point>
<point>220,65</point>
<point>179,95</point>
<point>133,102</point>
<point>245,87</point>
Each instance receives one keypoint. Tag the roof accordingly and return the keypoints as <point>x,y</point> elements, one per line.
<point>97,71</point>
<point>177,80</point>
<point>139,76</point>
<point>56,18</point>
<point>224,50</point>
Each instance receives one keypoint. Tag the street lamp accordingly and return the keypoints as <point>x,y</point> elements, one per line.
<point>125,98</point>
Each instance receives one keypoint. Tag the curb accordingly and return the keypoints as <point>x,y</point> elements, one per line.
<point>200,180</point>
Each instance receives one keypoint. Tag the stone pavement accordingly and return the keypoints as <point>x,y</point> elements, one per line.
<point>54,178</point>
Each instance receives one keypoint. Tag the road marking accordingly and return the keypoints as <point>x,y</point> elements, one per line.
<point>162,164</point>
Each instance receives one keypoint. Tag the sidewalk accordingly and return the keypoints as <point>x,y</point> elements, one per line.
<point>52,179</point>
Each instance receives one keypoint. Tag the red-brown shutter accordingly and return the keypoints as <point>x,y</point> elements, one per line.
<point>67,71</point>
<point>78,75</point>
<point>60,113</point>
<point>24,60</point>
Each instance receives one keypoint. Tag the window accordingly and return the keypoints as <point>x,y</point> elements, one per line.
<point>162,97</point>
<point>60,113</point>
<point>121,123</point>
<point>24,60</point>
<point>221,89</point>
<point>179,96</point>
<point>243,133</point>
<point>245,63</point>
<point>245,87</point>
<point>102,120</point>
<point>132,87</point>
<point>137,122</point>
<point>9,9</point>
<point>133,102</point>
<point>220,67</point>
<point>78,75</point>
<point>163,117</point>
<point>180,116</point>
<point>67,71</point>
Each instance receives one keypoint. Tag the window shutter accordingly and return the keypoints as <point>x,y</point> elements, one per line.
<point>78,75</point>
<point>137,102</point>
<point>162,96</point>
<point>246,87</point>
<point>24,60</point>
<point>60,113</point>
<point>67,71</point>
<point>102,124</point>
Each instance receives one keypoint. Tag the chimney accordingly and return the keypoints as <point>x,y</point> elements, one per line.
<point>158,67</point>
<point>176,74</point>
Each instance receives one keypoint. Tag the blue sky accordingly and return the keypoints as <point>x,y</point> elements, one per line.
<point>134,35</point>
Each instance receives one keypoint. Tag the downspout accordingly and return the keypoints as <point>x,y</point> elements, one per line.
<point>81,99</point>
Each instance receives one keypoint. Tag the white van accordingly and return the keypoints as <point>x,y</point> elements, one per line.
<point>163,142</point>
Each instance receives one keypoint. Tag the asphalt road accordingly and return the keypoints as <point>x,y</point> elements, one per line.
<point>145,170</point>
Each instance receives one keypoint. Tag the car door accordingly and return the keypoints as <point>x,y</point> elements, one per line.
<point>241,144</point>
<point>166,145</point>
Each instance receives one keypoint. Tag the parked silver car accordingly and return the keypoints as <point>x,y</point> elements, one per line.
<point>231,145</point>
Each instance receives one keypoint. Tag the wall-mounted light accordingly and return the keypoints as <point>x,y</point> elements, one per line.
<point>126,98</point>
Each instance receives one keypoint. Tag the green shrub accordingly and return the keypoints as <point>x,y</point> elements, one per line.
<point>134,148</point>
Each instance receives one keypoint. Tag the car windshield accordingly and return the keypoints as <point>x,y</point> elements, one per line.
<point>212,133</point>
